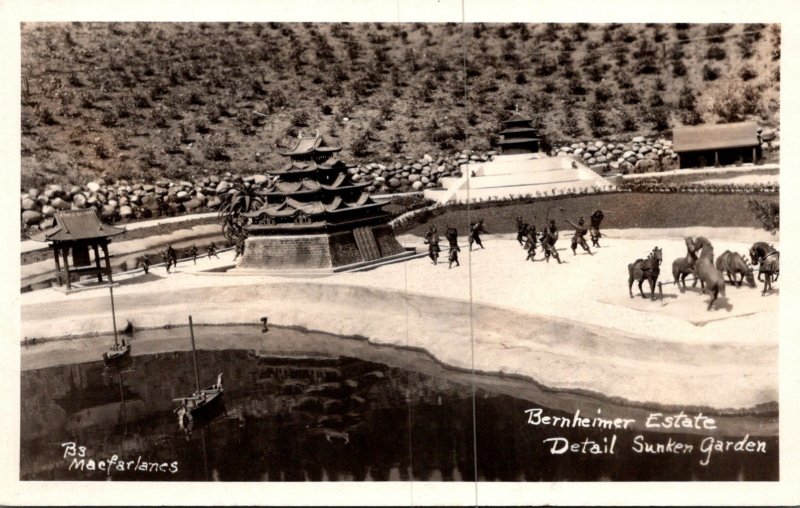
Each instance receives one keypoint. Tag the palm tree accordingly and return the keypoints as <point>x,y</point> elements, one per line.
<point>242,197</point>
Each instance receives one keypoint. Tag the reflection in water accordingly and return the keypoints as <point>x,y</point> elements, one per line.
<point>319,418</point>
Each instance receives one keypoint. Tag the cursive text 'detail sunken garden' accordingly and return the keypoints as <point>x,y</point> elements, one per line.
<point>609,441</point>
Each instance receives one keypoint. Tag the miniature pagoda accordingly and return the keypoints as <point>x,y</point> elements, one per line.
<point>315,217</point>
<point>519,136</point>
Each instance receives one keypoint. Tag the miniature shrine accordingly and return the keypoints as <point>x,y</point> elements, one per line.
<point>76,233</point>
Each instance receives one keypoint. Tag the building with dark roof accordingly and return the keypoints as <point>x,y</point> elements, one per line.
<point>315,216</point>
<point>717,145</point>
<point>76,233</point>
<point>518,136</point>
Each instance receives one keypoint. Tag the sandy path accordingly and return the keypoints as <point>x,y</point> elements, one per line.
<point>569,326</point>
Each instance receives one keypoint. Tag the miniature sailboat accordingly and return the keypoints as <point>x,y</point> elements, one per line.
<point>118,350</point>
<point>202,402</point>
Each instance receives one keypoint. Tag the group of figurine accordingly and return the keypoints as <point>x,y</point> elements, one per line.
<point>170,257</point>
<point>451,234</point>
<point>526,236</point>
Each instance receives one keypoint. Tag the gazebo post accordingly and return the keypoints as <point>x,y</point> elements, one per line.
<point>97,263</point>
<point>66,266</point>
<point>58,265</point>
<point>108,263</point>
<point>754,155</point>
<point>716,158</point>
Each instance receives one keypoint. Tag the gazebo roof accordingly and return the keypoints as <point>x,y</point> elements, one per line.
<point>713,137</point>
<point>73,225</point>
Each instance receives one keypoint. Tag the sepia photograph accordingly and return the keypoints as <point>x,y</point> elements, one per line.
<point>451,253</point>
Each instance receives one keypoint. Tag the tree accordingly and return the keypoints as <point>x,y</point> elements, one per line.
<point>596,119</point>
<point>242,197</point>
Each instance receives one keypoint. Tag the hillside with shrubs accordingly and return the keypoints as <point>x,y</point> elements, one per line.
<point>139,101</point>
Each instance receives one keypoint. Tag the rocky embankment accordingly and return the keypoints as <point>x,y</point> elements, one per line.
<point>638,155</point>
<point>123,201</point>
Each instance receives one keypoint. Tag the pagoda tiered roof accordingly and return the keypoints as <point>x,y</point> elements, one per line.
<point>314,193</point>
<point>291,207</point>
<point>307,145</point>
<point>297,167</point>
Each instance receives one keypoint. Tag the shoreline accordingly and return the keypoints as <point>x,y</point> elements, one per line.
<point>762,420</point>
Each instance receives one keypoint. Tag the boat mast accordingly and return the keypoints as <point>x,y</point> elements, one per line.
<point>194,355</point>
<point>113,313</point>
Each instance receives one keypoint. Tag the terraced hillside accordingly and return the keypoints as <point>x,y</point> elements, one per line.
<point>137,101</point>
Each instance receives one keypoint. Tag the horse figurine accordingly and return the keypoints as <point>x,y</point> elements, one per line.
<point>733,264</point>
<point>684,266</point>
<point>768,259</point>
<point>642,269</point>
<point>711,278</point>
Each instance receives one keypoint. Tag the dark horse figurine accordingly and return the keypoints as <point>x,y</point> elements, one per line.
<point>733,264</point>
<point>642,269</point>
<point>684,266</point>
<point>711,278</point>
<point>768,260</point>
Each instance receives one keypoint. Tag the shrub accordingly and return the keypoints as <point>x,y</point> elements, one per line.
<point>678,68</point>
<point>109,119</point>
<point>46,116</point>
<point>101,151</point>
<point>140,101</point>
<point>215,152</point>
<point>603,94</point>
<point>300,118</point>
<point>630,96</point>
<point>687,100</point>
<point>767,213</point>
<point>747,73</point>
<point>710,73</point>
<point>360,146</point>
<point>716,53</point>
<point>596,120</point>
<point>717,30</point>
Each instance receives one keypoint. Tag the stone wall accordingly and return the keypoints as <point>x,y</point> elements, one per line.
<point>387,242</point>
<point>286,252</point>
<point>344,250</point>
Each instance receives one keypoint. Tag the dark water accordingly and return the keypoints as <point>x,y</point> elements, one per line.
<point>321,418</point>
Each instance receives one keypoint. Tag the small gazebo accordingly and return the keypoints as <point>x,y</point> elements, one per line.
<point>75,233</point>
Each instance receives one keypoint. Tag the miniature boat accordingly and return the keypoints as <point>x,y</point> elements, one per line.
<point>202,402</point>
<point>116,353</point>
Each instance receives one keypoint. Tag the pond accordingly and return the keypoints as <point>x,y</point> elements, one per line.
<point>322,416</point>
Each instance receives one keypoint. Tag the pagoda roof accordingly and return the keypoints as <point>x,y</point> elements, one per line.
<point>73,225</point>
<point>517,141</point>
<point>290,207</point>
<point>515,130</point>
<point>517,118</point>
<point>305,185</point>
<point>300,167</point>
<point>309,144</point>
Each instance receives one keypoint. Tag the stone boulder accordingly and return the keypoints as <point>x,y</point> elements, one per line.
<point>31,217</point>
<point>29,204</point>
